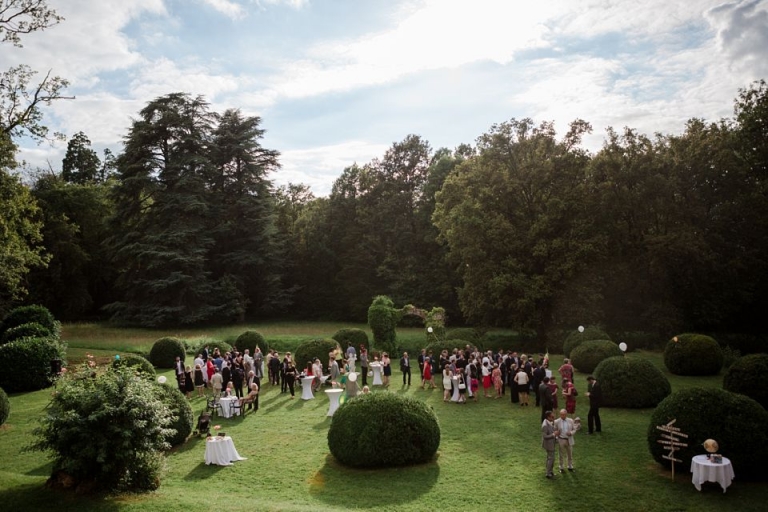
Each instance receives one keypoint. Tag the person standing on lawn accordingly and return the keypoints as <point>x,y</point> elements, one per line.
<point>565,429</point>
<point>546,397</point>
<point>595,394</point>
<point>548,436</point>
<point>405,367</point>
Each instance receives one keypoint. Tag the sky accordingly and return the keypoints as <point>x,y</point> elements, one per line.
<point>337,82</point>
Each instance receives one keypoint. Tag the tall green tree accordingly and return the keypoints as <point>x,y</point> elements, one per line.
<point>81,163</point>
<point>513,218</point>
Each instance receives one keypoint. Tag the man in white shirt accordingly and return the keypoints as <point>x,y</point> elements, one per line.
<point>565,428</point>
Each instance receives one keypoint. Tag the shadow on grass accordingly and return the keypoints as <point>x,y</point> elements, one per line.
<point>203,472</point>
<point>37,497</point>
<point>44,470</point>
<point>340,486</point>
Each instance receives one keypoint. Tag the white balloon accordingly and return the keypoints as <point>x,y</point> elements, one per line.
<point>623,346</point>
<point>581,328</point>
<point>429,330</point>
<point>352,377</point>
<point>161,379</point>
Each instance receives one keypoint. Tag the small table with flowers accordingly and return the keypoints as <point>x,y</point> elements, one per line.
<point>704,470</point>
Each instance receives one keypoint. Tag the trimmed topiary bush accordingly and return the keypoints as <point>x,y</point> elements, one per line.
<point>747,376</point>
<point>182,418</point>
<point>587,355</point>
<point>165,351</point>
<point>735,421</point>
<point>223,347</point>
<point>139,363</point>
<point>693,354</point>
<point>382,319</point>
<point>631,382</point>
<point>354,336</point>
<point>250,340</point>
<point>311,349</point>
<point>384,430</point>
<point>5,406</point>
<point>30,330</point>
<point>28,315</point>
<point>26,363</point>
<point>576,338</point>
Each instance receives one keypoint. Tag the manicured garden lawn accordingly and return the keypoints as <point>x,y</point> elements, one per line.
<point>489,458</point>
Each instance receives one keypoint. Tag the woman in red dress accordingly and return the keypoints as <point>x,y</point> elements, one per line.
<point>569,393</point>
<point>427,376</point>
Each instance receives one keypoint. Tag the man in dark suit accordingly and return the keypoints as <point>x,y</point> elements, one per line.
<point>548,435</point>
<point>421,359</point>
<point>595,394</point>
<point>547,401</point>
<point>405,367</point>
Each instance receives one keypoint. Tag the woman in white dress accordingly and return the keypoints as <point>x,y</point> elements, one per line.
<point>447,383</point>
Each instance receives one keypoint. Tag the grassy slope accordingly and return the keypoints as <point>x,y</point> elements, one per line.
<point>490,456</point>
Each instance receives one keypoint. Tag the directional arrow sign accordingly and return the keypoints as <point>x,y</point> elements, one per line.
<point>669,457</point>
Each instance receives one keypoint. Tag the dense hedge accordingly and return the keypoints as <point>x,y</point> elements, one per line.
<point>464,333</point>
<point>438,346</point>
<point>354,336</point>
<point>748,376</point>
<point>735,421</point>
<point>250,340</point>
<point>693,354</point>
<point>223,347</point>
<point>164,352</point>
<point>576,338</point>
<point>141,365</point>
<point>587,355</point>
<point>26,363</point>
<point>382,430</point>
<point>27,315</point>
<point>382,319</point>
<point>30,330</point>
<point>311,349</point>
<point>181,412</point>
<point>5,406</point>
<point>631,382</point>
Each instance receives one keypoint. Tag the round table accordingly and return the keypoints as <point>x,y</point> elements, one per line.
<point>376,367</point>
<point>221,451</point>
<point>306,388</point>
<point>705,470</point>
<point>225,409</point>
<point>333,396</point>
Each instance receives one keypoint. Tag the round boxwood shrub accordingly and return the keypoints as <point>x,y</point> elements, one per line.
<point>5,406</point>
<point>587,355</point>
<point>693,354</point>
<point>182,418</point>
<point>352,336</point>
<point>631,382</point>
<point>223,347</point>
<point>311,349</point>
<point>30,330</point>
<point>250,340</point>
<point>382,430</point>
<point>28,315</point>
<point>26,363</point>
<point>141,365</point>
<point>735,421</point>
<point>747,376</point>
<point>576,338</point>
<point>165,351</point>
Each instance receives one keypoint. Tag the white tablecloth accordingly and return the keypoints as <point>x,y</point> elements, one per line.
<point>224,406</point>
<point>221,451</point>
<point>333,395</point>
<point>376,367</point>
<point>306,388</point>
<point>705,471</point>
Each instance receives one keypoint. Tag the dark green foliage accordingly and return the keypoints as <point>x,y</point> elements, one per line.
<point>729,356</point>
<point>587,355</point>
<point>631,383</point>
<point>576,338</point>
<point>223,347</point>
<point>26,363</point>
<point>5,406</point>
<point>382,319</point>
<point>250,340</point>
<point>748,376</point>
<point>182,418</point>
<point>438,346</point>
<point>30,314</point>
<point>138,363</point>
<point>311,349</point>
<point>352,336</point>
<point>30,330</point>
<point>106,429</point>
<point>465,333</point>
<point>164,352</point>
<point>383,430</point>
<point>693,354</point>
<point>735,421</point>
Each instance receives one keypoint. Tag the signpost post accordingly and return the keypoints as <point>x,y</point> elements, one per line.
<point>671,441</point>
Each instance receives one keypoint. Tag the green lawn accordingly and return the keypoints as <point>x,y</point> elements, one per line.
<point>489,457</point>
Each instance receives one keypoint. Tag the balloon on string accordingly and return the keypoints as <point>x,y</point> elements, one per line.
<point>581,328</point>
<point>429,330</point>
<point>623,346</point>
<point>117,357</point>
<point>353,377</point>
<point>161,379</point>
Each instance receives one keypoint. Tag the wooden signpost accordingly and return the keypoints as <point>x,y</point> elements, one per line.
<point>671,441</point>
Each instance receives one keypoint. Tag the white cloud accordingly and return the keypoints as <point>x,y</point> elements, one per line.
<point>228,8</point>
<point>742,34</point>
<point>295,4</point>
